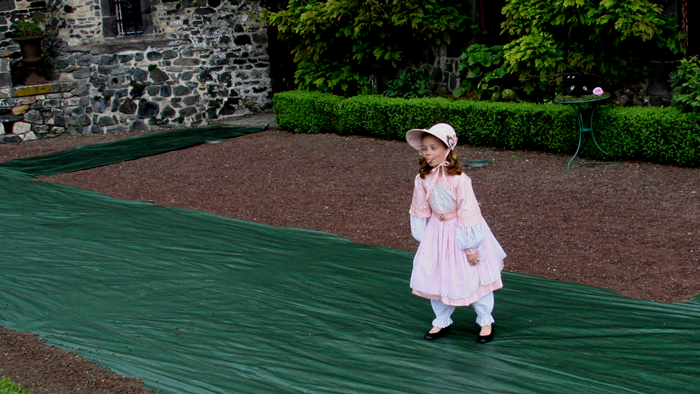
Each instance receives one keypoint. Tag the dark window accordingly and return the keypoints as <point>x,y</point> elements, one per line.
<point>122,18</point>
<point>129,20</point>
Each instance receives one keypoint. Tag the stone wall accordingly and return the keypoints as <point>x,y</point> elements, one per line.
<point>196,61</point>
<point>443,68</point>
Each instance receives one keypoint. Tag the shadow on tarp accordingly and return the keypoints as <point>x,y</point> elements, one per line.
<point>91,156</point>
<point>197,303</point>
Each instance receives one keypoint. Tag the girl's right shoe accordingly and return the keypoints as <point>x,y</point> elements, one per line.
<point>443,331</point>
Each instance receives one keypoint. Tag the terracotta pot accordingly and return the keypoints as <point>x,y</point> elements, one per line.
<point>31,49</point>
<point>31,57</point>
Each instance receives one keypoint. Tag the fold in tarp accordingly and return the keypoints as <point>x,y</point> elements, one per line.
<point>91,156</point>
<point>196,303</point>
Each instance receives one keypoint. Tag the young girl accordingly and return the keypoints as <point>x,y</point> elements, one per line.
<point>459,261</point>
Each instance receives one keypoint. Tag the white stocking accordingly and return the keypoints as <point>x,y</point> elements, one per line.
<point>483,308</point>
<point>442,313</point>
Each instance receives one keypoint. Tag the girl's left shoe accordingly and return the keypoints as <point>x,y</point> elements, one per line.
<point>486,338</point>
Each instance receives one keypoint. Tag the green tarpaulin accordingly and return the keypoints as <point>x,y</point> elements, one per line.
<point>91,156</point>
<point>196,303</point>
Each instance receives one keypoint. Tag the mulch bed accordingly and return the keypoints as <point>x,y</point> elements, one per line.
<point>631,227</point>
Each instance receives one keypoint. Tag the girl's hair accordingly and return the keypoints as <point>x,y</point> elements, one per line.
<point>455,168</point>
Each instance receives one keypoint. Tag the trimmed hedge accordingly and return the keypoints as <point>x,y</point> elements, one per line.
<point>663,135</point>
<point>305,112</point>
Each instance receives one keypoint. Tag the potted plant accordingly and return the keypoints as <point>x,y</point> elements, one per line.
<point>26,26</point>
<point>28,32</point>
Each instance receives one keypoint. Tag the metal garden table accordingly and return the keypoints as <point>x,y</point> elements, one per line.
<point>585,109</point>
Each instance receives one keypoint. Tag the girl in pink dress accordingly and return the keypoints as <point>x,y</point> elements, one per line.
<point>459,261</point>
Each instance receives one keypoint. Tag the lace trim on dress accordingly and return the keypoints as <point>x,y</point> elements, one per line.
<point>483,290</point>
<point>442,199</point>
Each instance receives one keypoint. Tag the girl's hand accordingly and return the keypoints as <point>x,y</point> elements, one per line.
<point>473,259</point>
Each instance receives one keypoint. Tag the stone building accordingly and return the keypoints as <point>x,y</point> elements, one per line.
<point>119,65</point>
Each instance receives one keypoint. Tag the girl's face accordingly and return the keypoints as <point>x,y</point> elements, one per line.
<point>433,150</point>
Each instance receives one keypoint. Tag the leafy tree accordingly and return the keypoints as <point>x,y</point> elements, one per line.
<point>341,46</point>
<point>609,38</point>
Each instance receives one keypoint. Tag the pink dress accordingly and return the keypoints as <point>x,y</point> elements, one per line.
<point>441,270</point>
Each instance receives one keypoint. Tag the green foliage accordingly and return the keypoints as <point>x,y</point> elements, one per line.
<point>609,38</point>
<point>342,45</point>
<point>26,26</point>
<point>482,71</point>
<point>686,84</point>
<point>410,84</point>
<point>7,387</point>
<point>305,112</point>
<point>664,135</point>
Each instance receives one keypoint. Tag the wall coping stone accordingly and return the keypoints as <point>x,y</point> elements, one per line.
<point>35,90</point>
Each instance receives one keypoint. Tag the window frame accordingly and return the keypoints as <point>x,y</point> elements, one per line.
<point>110,23</point>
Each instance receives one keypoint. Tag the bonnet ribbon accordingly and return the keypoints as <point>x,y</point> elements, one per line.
<point>440,170</point>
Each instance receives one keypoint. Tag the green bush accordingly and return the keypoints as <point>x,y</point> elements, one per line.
<point>686,84</point>
<point>664,135</point>
<point>481,71</point>
<point>503,125</point>
<point>409,84</point>
<point>305,112</point>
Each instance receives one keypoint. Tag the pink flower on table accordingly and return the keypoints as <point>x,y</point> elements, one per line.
<point>598,91</point>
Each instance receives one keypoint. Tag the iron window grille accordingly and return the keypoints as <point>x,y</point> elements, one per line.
<point>129,20</point>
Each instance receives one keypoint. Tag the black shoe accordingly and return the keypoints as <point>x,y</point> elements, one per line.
<point>443,331</point>
<point>486,338</point>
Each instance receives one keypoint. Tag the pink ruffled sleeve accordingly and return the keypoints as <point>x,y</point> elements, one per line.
<point>420,207</point>
<point>468,210</point>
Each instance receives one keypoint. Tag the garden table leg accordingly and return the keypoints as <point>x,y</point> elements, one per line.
<point>585,115</point>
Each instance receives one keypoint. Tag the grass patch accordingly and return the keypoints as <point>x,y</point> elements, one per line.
<point>7,387</point>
